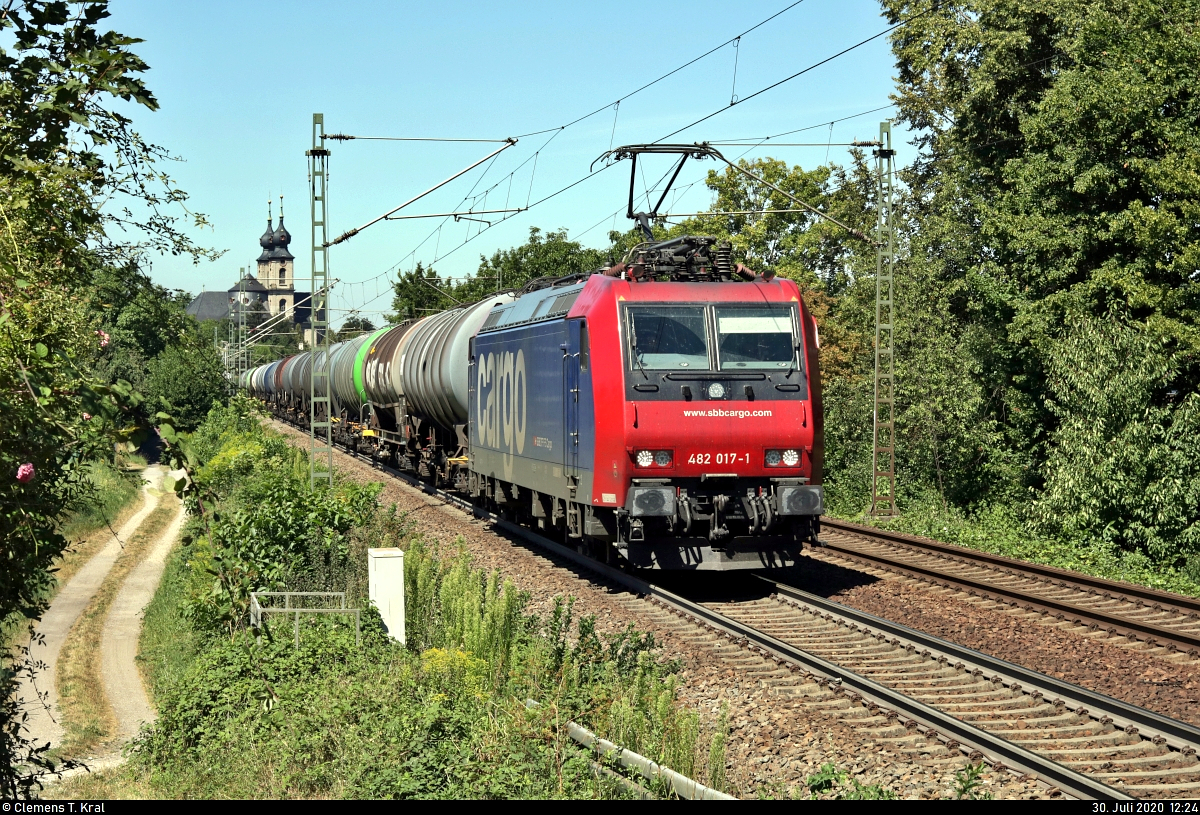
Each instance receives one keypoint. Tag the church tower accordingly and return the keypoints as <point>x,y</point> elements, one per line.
<point>276,265</point>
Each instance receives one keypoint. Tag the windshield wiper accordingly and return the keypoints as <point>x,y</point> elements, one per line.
<point>794,367</point>
<point>633,347</point>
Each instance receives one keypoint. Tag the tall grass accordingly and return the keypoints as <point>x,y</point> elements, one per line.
<point>168,645</point>
<point>111,488</point>
<point>246,714</point>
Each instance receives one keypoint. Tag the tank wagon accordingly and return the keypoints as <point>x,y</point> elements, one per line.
<point>665,412</point>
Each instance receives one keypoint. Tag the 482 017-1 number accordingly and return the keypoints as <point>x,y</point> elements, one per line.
<point>719,458</point>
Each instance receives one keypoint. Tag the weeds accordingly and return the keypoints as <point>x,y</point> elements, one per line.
<point>968,783</point>
<point>716,751</point>
<point>443,717</point>
<point>829,781</point>
<point>1002,531</point>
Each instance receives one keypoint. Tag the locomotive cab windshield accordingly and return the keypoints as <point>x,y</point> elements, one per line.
<point>680,338</point>
<point>756,337</point>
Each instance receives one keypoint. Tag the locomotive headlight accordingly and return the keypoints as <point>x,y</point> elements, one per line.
<point>782,458</point>
<point>716,391</point>
<point>653,458</point>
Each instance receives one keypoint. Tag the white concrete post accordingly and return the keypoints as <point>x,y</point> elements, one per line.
<point>385,584</point>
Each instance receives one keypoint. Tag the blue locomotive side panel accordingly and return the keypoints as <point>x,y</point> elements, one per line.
<point>530,408</point>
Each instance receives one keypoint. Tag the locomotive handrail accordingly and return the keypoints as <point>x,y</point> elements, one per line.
<point>707,375</point>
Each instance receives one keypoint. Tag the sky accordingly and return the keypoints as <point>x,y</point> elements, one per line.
<point>238,83</point>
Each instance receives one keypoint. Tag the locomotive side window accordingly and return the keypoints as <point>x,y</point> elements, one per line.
<point>760,337</point>
<point>668,337</point>
<point>583,347</point>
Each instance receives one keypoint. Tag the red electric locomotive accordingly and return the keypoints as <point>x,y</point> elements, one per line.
<point>663,412</point>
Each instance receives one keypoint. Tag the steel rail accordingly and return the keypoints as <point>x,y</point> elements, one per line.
<point>1180,602</point>
<point>1113,624</point>
<point>936,723</point>
<point>1177,734</point>
<point>995,749</point>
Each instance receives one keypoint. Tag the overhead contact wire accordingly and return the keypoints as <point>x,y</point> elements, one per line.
<point>666,75</point>
<point>799,73</point>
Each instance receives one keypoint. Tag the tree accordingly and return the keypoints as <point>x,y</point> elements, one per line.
<point>418,294</point>
<point>354,327</point>
<point>798,245</point>
<point>550,254</point>
<point>72,170</point>
<point>184,381</point>
<point>1055,205</point>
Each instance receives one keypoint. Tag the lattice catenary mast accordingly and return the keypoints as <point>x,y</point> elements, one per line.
<point>320,449</point>
<point>883,456</point>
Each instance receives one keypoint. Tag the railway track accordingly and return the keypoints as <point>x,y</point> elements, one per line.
<point>1159,619</point>
<point>899,681</point>
<point>1105,739</point>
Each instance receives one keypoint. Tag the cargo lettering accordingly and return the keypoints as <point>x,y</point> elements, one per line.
<point>501,396</point>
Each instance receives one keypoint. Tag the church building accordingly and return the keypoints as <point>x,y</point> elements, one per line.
<point>274,287</point>
<point>277,267</point>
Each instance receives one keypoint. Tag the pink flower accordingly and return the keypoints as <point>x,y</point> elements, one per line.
<point>25,473</point>
<point>103,338</point>
<point>87,417</point>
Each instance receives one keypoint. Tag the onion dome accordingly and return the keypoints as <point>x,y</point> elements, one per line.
<point>281,239</point>
<point>267,241</point>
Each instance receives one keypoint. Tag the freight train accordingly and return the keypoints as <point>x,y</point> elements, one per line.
<point>662,413</point>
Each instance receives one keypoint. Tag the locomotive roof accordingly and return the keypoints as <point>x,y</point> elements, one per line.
<point>543,304</point>
<point>555,303</point>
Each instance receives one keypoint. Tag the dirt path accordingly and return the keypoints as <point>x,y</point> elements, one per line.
<point>44,721</point>
<point>119,646</point>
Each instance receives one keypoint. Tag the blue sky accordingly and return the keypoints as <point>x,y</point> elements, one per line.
<point>239,81</point>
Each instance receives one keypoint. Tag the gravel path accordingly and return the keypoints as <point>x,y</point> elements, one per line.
<point>119,646</point>
<point>783,726</point>
<point>43,722</point>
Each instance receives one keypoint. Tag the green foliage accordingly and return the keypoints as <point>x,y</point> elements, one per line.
<point>67,152</point>
<point>716,750</point>
<point>1053,231</point>
<point>444,717</point>
<point>1003,530</point>
<point>550,254</point>
<point>796,245</point>
<point>111,488</point>
<point>830,782</point>
<point>421,292</point>
<point>185,381</point>
<point>967,783</point>
<point>1124,461</point>
<point>58,421</point>
<point>275,531</point>
<point>156,346</point>
<point>354,327</point>
<point>168,645</point>
<point>240,414</point>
